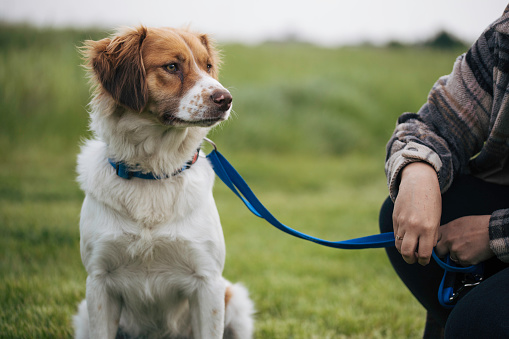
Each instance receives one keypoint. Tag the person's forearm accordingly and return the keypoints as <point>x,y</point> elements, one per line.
<point>417,212</point>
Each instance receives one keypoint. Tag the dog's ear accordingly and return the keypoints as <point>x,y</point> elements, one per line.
<point>117,65</point>
<point>214,54</point>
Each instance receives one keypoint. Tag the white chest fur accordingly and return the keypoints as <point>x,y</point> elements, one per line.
<point>137,233</point>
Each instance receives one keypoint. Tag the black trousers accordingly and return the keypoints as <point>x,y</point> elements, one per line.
<point>484,311</point>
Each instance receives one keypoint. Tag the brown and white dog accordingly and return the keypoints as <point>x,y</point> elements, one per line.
<point>154,249</point>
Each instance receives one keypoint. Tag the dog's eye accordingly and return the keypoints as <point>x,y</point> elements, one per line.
<point>172,68</point>
<point>209,67</point>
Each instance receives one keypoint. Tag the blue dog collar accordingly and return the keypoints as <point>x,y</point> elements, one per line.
<point>123,171</point>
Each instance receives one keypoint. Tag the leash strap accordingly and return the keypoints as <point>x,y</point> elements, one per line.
<point>225,171</point>
<point>231,178</point>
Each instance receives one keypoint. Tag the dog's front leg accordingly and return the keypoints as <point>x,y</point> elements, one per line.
<point>103,310</point>
<point>207,310</point>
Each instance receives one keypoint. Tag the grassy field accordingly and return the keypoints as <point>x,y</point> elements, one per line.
<point>308,134</point>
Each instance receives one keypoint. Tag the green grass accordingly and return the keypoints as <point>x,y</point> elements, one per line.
<point>308,134</point>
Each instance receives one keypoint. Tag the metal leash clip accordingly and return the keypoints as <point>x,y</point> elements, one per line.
<point>465,284</point>
<point>211,142</point>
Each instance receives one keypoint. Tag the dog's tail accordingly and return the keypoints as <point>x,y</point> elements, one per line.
<point>239,313</point>
<point>80,322</point>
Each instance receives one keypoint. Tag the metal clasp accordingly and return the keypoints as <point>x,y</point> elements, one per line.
<point>468,281</point>
<point>211,142</point>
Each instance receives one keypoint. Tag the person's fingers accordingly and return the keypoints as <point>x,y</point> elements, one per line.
<point>398,240</point>
<point>441,248</point>
<point>408,248</point>
<point>425,249</point>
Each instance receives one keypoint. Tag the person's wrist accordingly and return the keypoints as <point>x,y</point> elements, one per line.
<point>418,168</point>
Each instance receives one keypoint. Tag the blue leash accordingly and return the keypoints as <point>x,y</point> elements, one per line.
<point>231,178</point>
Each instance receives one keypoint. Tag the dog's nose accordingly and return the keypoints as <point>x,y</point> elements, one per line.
<point>222,98</point>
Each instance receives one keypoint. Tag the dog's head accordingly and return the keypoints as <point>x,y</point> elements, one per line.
<point>170,74</point>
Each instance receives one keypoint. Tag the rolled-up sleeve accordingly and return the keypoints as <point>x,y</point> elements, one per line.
<point>499,234</point>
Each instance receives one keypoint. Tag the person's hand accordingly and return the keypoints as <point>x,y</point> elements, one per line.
<point>417,212</point>
<point>466,240</point>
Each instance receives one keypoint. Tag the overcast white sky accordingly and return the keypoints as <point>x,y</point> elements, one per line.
<point>326,22</point>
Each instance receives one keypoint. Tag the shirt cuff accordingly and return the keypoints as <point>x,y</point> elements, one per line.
<point>499,234</point>
<point>411,152</point>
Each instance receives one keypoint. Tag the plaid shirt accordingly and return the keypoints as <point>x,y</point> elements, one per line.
<point>464,125</point>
